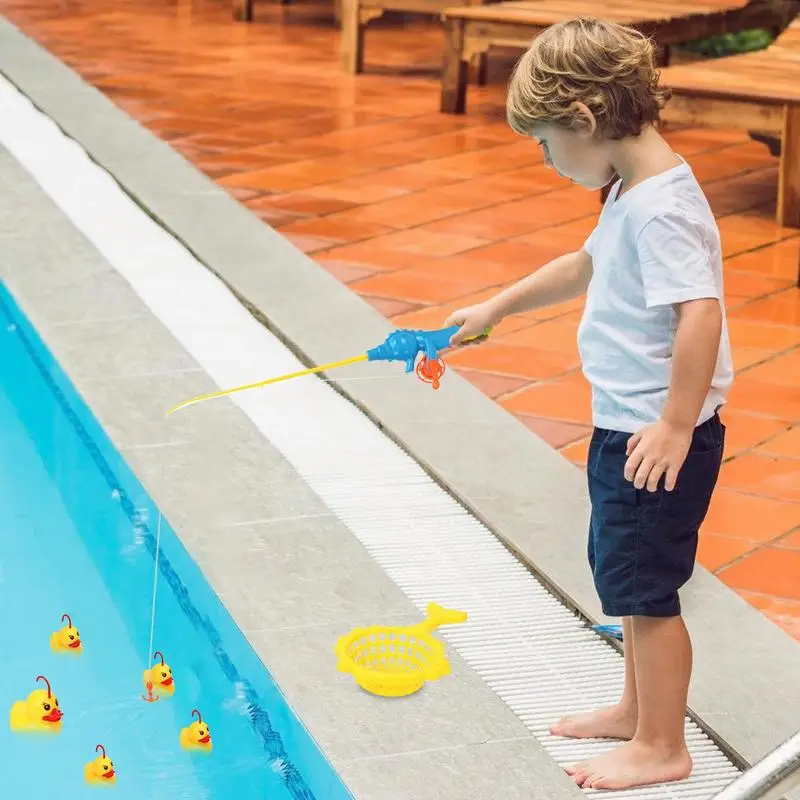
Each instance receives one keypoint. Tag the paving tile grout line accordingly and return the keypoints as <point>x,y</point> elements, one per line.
<point>758,546</point>
<point>478,124</point>
<point>318,253</point>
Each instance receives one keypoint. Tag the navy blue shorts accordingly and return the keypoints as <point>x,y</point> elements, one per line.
<point>642,545</point>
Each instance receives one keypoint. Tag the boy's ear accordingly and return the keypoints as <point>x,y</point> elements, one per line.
<point>589,123</point>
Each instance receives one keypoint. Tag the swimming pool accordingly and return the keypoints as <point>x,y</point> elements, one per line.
<point>77,537</point>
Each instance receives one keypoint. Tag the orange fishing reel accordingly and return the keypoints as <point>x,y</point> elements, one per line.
<point>430,370</point>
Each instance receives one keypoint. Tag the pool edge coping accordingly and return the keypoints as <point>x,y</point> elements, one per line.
<point>513,498</point>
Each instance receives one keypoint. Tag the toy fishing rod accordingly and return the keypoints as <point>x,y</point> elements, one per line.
<point>400,345</point>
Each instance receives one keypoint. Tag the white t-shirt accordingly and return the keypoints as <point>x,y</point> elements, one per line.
<point>655,246</point>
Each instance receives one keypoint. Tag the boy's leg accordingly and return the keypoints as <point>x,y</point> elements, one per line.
<point>619,721</point>
<point>664,530</point>
<point>615,722</point>
<point>605,464</point>
<point>657,753</point>
<point>663,670</point>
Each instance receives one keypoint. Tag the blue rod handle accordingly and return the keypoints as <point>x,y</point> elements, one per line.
<point>406,345</point>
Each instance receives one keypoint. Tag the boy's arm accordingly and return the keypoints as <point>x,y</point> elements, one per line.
<point>559,280</point>
<point>694,358</point>
<point>677,272</point>
<point>659,450</point>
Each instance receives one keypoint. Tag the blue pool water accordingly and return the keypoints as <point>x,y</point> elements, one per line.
<point>77,536</point>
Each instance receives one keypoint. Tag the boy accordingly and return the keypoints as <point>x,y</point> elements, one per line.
<point>654,346</point>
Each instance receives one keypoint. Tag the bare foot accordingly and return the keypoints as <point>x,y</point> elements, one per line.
<point>632,764</point>
<point>605,723</point>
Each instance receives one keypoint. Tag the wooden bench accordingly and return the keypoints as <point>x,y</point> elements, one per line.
<point>757,92</point>
<point>471,31</point>
<point>357,14</point>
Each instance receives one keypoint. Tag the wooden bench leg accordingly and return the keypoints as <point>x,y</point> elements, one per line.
<point>789,175</point>
<point>352,37</point>
<point>243,10</point>
<point>454,69</point>
<point>478,66</point>
<point>355,19</point>
<point>663,53</point>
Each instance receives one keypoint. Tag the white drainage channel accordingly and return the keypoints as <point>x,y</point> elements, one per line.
<point>531,650</point>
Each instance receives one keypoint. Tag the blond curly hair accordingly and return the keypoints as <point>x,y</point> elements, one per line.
<point>607,67</point>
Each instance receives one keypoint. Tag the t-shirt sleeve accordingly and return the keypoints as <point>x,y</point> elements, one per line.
<point>675,261</point>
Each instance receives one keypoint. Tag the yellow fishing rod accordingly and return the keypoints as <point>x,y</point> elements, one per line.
<point>401,345</point>
<point>267,382</point>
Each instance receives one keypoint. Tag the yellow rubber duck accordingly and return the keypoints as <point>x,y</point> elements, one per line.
<point>197,736</point>
<point>39,713</point>
<point>100,772</point>
<point>67,640</point>
<point>159,678</point>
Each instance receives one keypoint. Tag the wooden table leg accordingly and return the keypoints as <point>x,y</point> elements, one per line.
<point>352,37</point>
<point>478,66</point>
<point>789,174</point>
<point>662,55</point>
<point>243,10</point>
<point>454,69</point>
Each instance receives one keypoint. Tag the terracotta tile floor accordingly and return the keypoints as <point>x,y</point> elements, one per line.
<point>420,213</point>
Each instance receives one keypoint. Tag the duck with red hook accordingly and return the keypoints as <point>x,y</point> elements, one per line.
<point>197,736</point>
<point>40,713</point>
<point>100,772</point>
<point>158,680</point>
<point>67,640</point>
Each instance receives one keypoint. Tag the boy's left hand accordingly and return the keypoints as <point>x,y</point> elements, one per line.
<point>657,450</point>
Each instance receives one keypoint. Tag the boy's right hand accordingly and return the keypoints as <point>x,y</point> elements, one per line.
<point>473,322</point>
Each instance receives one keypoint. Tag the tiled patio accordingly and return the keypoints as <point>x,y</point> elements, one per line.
<point>421,213</point>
